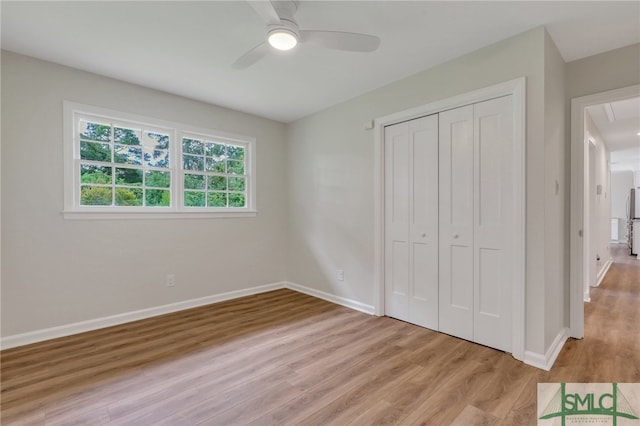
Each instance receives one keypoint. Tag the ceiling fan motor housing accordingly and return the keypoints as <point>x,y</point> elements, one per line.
<point>284,36</point>
<point>285,26</point>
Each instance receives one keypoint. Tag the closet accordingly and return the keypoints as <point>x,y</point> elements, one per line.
<point>449,210</point>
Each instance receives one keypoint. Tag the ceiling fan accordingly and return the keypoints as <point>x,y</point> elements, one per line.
<point>283,33</point>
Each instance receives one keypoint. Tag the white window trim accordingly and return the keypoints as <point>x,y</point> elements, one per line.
<point>73,209</point>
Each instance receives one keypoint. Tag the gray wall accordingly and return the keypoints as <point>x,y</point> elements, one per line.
<point>600,229</point>
<point>556,271</point>
<point>57,271</point>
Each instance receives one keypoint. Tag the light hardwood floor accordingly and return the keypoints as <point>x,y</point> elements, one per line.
<point>284,358</point>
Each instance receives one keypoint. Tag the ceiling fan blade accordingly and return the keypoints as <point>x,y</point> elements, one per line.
<point>352,42</point>
<point>267,12</point>
<point>251,57</point>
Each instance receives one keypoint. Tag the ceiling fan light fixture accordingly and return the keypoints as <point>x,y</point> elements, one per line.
<point>282,39</point>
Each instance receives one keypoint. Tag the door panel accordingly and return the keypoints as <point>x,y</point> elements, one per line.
<point>397,221</point>
<point>489,170</point>
<point>411,221</point>
<point>489,274</point>
<point>458,293</point>
<point>456,222</point>
<point>493,201</point>
<point>423,300</point>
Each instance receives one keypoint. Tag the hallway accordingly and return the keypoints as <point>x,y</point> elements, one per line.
<point>619,254</point>
<point>611,346</point>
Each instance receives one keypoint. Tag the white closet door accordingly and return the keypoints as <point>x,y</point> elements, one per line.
<point>411,221</point>
<point>493,222</point>
<point>396,146</point>
<point>456,205</point>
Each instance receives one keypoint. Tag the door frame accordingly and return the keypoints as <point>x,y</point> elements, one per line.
<point>516,88</point>
<point>579,254</point>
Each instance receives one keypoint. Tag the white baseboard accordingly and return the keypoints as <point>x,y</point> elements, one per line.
<point>7,342</point>
<point>349,303</point>
<point>603,271</point>
<point>546,361</point>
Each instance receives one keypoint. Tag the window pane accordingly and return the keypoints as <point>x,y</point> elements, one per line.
<point>192,146</point>
<point>191,162</point>
<point>158,179</point>
<point>157,197</point>
<point>235,167</point>
<point>236,184</point>
<point>216,150</point>
<point>235,152</point>
<point>218,183</point>
<point>214,165</point>
<point>157,158</point>
<point>126,136</point>
<point>236,200</point>
<point>131,177</point>
<point>95,151</point>
<point>128,197</point>
<point>217,199</point>
<point>95,174</point>
<point>193,199</point>
<point>193,181</point>
<point>128,154</point>
<point>95,196</point>
<point>95,131</point>
<point>155,140</point>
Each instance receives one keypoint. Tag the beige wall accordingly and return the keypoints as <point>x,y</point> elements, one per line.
<point>331,169</point>
<point>556,270</point>
<point>606,71</point>
<point>57,271</point>
<point>600,231</point>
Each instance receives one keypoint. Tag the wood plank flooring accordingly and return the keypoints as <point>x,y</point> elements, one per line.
<point>284,358</point>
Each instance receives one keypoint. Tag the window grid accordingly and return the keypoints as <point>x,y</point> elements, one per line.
<point>131,163</point>
<point>214,173</point>
<point>121,165</point>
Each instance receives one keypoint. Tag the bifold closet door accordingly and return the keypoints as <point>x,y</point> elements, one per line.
<point>411,221</point>
<point>493,222</point>
<point>456,222</point>
<point>476,214</point>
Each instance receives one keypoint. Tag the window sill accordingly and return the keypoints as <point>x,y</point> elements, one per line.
<point>147,215</point>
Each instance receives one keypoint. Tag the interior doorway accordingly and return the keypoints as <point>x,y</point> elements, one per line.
<point>581,195</point>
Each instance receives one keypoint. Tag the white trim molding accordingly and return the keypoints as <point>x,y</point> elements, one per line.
<point>338,300</point>
<point>7,342</point>
<point>603,271</point>
<point>579,234</point>
<point>516,88</point>
<point>547,360</point>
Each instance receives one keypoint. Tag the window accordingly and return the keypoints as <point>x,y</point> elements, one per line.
<point>214,173</point>
<point>118,165</point>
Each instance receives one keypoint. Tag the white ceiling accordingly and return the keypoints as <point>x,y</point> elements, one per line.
<point>187,48</point>
<point>619,127</point>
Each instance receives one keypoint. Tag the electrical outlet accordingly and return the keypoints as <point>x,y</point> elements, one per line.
<point>340,275</point>
<point>171,280</point>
